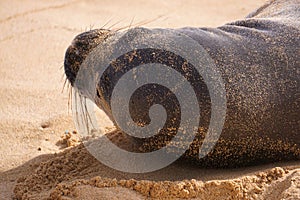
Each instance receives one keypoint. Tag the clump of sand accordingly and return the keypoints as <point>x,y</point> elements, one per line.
<point>75,174</point>
<point>69,139</point>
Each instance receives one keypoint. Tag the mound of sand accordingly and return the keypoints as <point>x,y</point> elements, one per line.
<point>75,174</point>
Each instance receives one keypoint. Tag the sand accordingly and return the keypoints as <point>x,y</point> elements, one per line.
<point>36,163</point>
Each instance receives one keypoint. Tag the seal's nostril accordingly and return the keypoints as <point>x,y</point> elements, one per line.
<point>79,49</point>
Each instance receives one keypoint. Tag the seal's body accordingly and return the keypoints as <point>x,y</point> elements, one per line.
<point>258,59</point>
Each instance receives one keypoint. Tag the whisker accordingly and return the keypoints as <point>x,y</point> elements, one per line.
<point>79,118</point>
<point>70,99</point>
<point>88,114</point>
<point>115,24</point>
<point>62,77</point>
<point>76,104</point>
<point>85,120</point>
<point>91,27</point>
<point>149,21</point>
<point>141,23</point>
<point>131,22</point>
<point>65,82</point>
<point>69,86</point>
<point>106,23</point>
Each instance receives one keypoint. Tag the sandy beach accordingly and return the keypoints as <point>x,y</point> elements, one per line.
<point>35,162</point>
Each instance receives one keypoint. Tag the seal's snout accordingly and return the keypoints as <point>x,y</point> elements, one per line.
<point>81,46</point>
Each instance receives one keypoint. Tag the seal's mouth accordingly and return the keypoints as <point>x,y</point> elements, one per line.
<point>81,46</point>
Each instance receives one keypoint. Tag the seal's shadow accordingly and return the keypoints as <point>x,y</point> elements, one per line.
<point>78,163</point>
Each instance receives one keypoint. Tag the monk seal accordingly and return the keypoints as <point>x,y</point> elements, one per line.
<point>258,58</point>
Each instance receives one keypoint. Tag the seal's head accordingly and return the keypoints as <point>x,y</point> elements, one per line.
<point>81,46</point>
